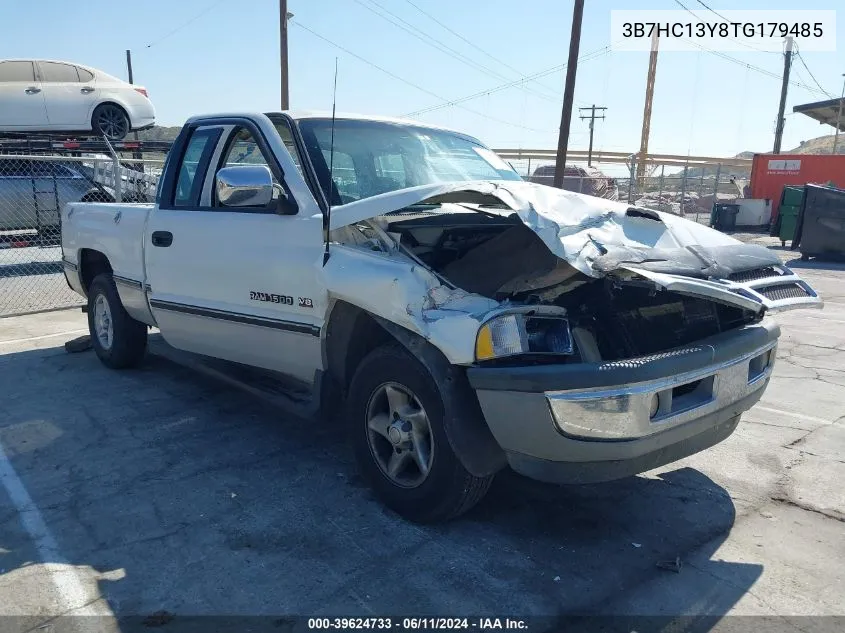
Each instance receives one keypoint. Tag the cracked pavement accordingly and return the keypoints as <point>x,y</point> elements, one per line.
<point>165,491</point>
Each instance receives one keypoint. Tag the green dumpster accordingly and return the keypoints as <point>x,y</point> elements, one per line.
<point>790,205</point>
<point>788,219</point>
<point>792,196</point>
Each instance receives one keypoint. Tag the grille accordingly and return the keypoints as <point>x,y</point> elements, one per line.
<point>634,363</point>
<point>784,291</point>
<point>752,275</point>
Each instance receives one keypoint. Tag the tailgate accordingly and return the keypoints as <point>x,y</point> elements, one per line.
<point>775,288</point>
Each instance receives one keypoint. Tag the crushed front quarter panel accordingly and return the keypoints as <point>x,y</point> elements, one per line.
<point>394,287</point>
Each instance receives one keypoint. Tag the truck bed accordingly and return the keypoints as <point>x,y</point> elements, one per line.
<point>114,229</point>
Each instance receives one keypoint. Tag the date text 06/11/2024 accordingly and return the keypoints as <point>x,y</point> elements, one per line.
<point>417,624</point>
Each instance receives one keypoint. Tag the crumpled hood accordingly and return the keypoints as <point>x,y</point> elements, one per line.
<point>594,235</point>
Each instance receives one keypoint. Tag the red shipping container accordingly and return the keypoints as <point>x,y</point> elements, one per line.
<point>770,172</point>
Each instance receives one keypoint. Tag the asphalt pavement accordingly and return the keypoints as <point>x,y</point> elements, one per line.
<point>160,491</point>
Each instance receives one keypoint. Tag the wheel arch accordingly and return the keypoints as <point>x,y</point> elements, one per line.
<point>352,333</point>
<point>92,263</point>
<point>110,100</point>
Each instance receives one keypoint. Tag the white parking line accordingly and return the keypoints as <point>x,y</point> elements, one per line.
<point>792,414</point>
<point>70,590</point>
<point>43,336</point>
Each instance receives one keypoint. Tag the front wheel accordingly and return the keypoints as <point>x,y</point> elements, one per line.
<point>119,340</point>
<point>397,412</point>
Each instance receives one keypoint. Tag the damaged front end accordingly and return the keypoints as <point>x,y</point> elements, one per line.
<point>522,273</point>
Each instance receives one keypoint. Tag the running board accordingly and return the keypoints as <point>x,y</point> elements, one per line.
<point>273,388</point>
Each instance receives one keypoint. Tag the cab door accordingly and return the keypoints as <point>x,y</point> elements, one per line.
<point>237,283</point>
<point>21,98</point>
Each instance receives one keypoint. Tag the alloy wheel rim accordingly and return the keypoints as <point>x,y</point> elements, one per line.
<point>112,122</point>
<point>399,435</point>
<point>103,326</point>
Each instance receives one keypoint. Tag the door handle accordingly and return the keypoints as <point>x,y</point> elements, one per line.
<point>87,90</point>
<point>32,90</point>
<point>162,238</point>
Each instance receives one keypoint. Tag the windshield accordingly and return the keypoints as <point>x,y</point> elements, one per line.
<point>373,157</point>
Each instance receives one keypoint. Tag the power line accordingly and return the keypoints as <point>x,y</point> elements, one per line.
<point>465,40</point>
<point>182,26</point>
<point>409,83</point>
<point>543,73</point>
<point>712,11</point>
<point>812,76</point>
<point>438,45</point>
<point>758,69</point>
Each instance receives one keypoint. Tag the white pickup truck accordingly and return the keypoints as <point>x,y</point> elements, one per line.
<point>468,320</point>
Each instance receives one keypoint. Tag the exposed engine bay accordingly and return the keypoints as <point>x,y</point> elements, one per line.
<point>500,258</point>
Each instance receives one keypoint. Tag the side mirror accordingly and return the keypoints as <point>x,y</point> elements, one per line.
<point>244,186</point>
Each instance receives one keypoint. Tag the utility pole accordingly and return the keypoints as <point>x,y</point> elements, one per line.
<point>838,118</point>
<point>568,93</point>
<point>129,65</point>
<point>787,65</point>
<point>284,16</point>
<point>132,81</point>
<point>592,116</point>
<point>649,98</point>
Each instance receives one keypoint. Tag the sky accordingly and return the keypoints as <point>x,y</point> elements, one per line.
<point>201,56</point>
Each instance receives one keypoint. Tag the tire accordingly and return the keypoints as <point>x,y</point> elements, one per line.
<point>95,195</point>
<point>121,342</point>
<point>448,489</point>
<point>111,121</point>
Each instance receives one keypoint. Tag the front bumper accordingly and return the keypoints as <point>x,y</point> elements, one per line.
<point>588,422</point>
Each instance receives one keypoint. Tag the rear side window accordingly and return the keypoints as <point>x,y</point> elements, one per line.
<point>194,165</point>
<point>84,75</point>
<point>53,72</point>
<point>16,71</point>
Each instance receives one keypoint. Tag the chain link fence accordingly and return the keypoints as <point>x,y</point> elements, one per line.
<point>690,192</point>
<point>33,189</point>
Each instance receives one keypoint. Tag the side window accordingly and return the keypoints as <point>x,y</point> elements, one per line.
<point>290,145</point>
<point>193,166</point>
<point>243,149</point>
<point>53,72</point>
<point>84,75</point>
<point>16,71</point>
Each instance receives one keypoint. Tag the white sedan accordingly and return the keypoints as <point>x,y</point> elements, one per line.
<point>54,96</point>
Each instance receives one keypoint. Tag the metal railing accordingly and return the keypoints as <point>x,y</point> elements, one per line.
<point>33,190</point>
<point>689,192</point>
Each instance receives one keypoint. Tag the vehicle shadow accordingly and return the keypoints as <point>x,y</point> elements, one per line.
<point>30,268</point>
<point>817,263</point>
<point>210,503</point>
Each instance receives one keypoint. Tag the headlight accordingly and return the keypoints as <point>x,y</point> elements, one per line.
<point>512,334</point>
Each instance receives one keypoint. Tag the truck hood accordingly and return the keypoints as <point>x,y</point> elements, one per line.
<point>598,237</point>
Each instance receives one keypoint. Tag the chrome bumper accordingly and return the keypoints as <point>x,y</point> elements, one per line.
<point>643,409</point>
<point>586,422</point>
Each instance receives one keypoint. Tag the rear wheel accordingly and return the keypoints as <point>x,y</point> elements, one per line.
<point>111,121</point>
<point>397,413</point>
<point>119,340</point>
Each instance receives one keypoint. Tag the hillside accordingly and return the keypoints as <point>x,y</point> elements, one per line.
<point>160,133</point>
<point>820,145</point>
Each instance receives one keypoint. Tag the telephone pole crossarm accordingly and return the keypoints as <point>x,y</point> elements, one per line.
<point>592,117</point>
